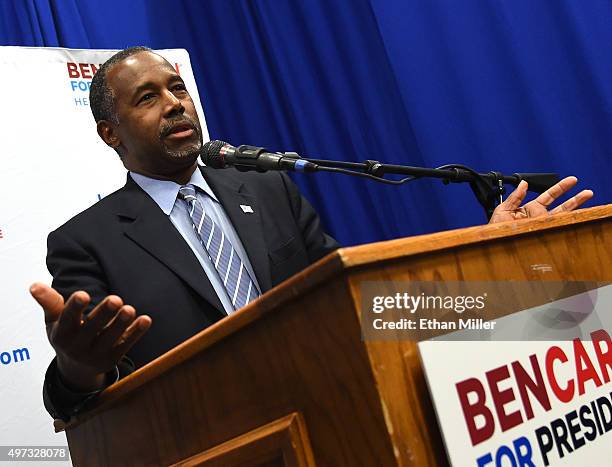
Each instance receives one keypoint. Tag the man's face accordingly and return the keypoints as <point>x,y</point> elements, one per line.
<point>158,131</point>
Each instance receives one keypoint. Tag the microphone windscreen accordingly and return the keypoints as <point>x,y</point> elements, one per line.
<point>211,154</point>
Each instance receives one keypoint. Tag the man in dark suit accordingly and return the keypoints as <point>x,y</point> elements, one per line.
<point>146,247</point>
<point>137,248</point>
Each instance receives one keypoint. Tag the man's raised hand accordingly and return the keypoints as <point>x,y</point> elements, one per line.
<point>511,208</point>
<point>88,347</point>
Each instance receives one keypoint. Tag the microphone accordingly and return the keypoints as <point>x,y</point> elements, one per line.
<point>538,182</point>
<point>220,155</point>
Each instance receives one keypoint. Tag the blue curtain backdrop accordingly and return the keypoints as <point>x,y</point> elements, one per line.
<point>508,85</point>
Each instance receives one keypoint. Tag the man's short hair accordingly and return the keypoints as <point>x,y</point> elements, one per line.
<point>101,98</point>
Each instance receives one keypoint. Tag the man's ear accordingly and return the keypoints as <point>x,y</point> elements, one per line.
<point>108,133</point>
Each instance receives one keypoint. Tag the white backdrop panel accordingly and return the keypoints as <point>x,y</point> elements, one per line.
<point>54,166</point>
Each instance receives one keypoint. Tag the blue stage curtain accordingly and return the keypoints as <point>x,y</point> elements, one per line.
<point>513,86</point>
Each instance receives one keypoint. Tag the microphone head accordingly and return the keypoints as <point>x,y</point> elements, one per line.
<point>213,154</point>
<point>538,182</point>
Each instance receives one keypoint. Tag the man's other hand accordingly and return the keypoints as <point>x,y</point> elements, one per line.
<point>88,347</point>
<point>511,208</point>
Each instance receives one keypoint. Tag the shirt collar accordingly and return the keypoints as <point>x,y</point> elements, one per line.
<point>164,192</point>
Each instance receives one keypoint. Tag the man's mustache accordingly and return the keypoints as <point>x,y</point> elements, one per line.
<point>169,125</point>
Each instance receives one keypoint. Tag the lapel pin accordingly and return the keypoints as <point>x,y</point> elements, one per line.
<point>246,208</point>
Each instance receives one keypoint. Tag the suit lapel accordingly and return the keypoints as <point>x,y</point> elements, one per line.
<point>248,225</point>
<point>152,230</point>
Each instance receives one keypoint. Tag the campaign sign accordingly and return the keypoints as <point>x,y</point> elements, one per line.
<point>540,401</point>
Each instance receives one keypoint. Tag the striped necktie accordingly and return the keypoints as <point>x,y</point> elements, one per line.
<point>235,277</point>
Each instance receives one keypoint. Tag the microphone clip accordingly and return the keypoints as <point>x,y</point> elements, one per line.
<point>246,158</point>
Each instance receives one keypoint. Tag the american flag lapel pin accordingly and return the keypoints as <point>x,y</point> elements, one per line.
<point>246,208</point>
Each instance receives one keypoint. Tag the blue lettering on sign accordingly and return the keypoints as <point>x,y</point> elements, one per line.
<point>520,456</point>
<point>80,85</point>
<point>16,356</point>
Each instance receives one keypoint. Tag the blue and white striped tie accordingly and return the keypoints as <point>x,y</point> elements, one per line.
<point>237,280</point>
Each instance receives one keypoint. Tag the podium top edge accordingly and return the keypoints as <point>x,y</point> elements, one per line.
<point>400,248</point>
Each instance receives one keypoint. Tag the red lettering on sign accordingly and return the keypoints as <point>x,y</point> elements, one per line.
<point>81,70</point>
<point>84,67</point>
<point>72,70</point>
<point>536,387</point>
<point>502,398</point>
<point>471,411</point>
<point>481,419</point>
<point>585,371</point>
<point>604,358</point>
<point>563,394</point>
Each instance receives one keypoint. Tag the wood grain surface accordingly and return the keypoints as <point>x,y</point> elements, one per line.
<point>283,442</point>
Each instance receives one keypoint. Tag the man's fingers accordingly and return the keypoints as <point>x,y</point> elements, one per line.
<point>49,299</point>
<point>514,200</point>
<point>574,202</point>
<point>109,335</point>
<point>555,191</point>
<point>70,319</point>
<point>101,315</point>
<point>131,335</point>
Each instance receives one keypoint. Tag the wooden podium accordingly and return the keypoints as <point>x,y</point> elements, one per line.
<point>289,381</point>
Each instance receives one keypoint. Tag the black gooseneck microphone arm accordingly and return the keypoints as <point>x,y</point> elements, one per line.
<point>487,187</point>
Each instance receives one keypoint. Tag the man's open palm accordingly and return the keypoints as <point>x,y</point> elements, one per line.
<point>511,208</point>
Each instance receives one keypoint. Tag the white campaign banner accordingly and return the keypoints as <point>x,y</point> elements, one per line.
<point>54,165</point>
<point>546,400</point>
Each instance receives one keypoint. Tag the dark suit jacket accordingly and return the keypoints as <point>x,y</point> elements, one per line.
<point>125,245</point>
